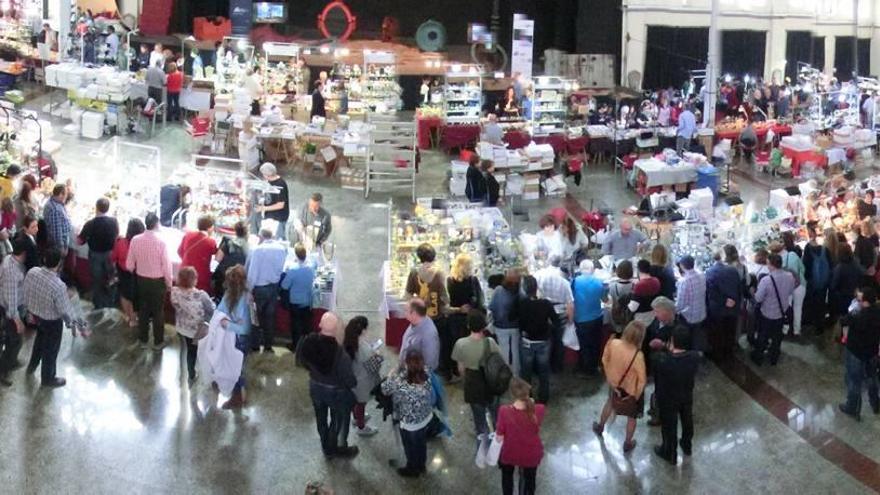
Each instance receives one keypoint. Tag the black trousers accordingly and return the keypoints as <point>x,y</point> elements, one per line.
<point>192,353</point>
<point>151,298</point>
<point>447,341</point>
<point>769,339</point>
<point>557,348</point>
<point>46,346</point>
<point>670,414</point>
<point>526,479</point>
<point>300,323</point>
<point>721,332</point>
<point>10,341</point>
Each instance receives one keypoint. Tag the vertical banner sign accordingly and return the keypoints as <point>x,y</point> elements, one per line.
<point>523,46</point>
<point>241,14</point>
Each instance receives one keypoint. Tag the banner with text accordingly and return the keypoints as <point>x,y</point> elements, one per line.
<point>523,46</point>
<point>241,13</point>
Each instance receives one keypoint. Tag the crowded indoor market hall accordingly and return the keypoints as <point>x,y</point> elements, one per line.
<point>469,246</point>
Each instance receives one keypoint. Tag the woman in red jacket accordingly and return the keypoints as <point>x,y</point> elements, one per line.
<point>174,85</point>
<point>196,250</point>
<point>519,429</point>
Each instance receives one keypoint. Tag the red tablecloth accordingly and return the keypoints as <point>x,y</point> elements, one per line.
<point>459,136</point>
<point>577,145</point>
<point>798,158</point>
<point>517,139</point>
<point>779,130</point>
<point>394,330</point>
<point>557,141</point>
<point>425,126</point>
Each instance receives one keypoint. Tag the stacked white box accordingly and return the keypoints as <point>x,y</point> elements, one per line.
<point>554,186</point>
<point>93,125</point>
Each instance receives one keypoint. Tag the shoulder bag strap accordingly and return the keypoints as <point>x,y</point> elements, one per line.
<point>778,299</point>
<point>193,245</point>
<point>619,383</point>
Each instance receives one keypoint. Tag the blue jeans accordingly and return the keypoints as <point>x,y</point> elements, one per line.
<point>333,407</point>
<point>415,447</point>
<point>266,300</point>
<point>508,343</point>
<point>535,357</point>
<point>100,269</point>
<point>481,426</point>
<point>589,334</point>
<point>858,374</point>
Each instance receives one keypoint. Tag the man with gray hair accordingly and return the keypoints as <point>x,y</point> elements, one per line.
<point>276,205</point>
<point>623,243</point>
<point>264,266</point>
<point>657,338</point>
<point>492,132</point>
<point>554,286</point>
<point>589,293</point>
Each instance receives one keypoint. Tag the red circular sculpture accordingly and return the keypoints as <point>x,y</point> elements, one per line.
<point>350,20</point>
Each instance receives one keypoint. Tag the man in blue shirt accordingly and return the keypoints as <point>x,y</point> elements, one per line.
<point>265,265</point>
<point>589,292</point>
<point>299,281</point>
<point>687,127</point>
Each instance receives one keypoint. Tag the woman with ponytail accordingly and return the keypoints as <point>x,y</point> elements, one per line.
<point>519,430</point>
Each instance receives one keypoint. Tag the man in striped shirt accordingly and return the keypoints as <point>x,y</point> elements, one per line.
<point>45,297</point>
<point>11,277</point>
<point>148,260</point>
<point>554,287</point>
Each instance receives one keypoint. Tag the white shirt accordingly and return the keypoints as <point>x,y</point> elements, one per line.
<point>554,286</point>
<point>252,85</point>
<point>113,43</point>
<point>157,57</point>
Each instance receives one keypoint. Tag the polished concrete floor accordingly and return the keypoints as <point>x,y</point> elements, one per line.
<point>126,422</point>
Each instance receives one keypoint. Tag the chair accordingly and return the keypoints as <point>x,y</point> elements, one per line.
<point>151,115</point>
<point>198,128</point>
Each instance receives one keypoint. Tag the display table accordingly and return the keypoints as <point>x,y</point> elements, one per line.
<point>800,157</point>
<point>426,127</point>
<point>557,141</point>
<point>658,173</point>
<point>459,136</point>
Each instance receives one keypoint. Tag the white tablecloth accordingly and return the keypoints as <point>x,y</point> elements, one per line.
<point>658,173</point>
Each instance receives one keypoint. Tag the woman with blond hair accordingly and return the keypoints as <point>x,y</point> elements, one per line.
<point>519,430</point>
<point>465,293</point>
<point>624,366</point>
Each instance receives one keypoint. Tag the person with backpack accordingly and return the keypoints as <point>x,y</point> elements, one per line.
<point>723,300</point>
<point>817,270</point>
<point>475,186</point>
<point>791,262</point>
<point>624,365</point>
<point>427,282</point>
<point>620,292</point>
<point>537,319</point>
<point>232,251</point>
<point>471,354</point>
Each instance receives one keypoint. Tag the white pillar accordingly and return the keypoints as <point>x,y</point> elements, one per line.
<point>64,12</point>
<point>713,67</point>
<point>635,32</point>
<point>829,54</point>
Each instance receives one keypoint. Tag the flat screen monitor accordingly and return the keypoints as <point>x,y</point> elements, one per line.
<point>270,12</point>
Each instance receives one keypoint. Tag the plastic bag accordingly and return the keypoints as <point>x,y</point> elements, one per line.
<point>494,451</point>
<point>569,337</point>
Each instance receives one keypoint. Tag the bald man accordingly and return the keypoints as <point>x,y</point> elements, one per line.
<point>624,242</point>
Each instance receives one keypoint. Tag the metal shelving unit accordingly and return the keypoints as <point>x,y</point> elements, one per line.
<point>463,89</point>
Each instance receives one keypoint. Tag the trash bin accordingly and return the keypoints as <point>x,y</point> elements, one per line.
<point>707,176</point>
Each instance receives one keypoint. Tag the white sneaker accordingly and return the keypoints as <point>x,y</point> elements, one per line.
<point>366,418</point>
<point>367,431</point>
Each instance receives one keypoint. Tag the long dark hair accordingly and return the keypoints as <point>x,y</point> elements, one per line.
<point>135,227</point>
<point>353,331</point>
<point>415,367</point>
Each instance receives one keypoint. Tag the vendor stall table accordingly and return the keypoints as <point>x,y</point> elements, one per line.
<point>459,136</point>
<point>429,129</point>
<point>658,173</point>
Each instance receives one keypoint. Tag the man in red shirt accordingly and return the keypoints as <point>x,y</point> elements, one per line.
<point>148,259</point>
<point>196,250</point>
<point>174,85</point>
